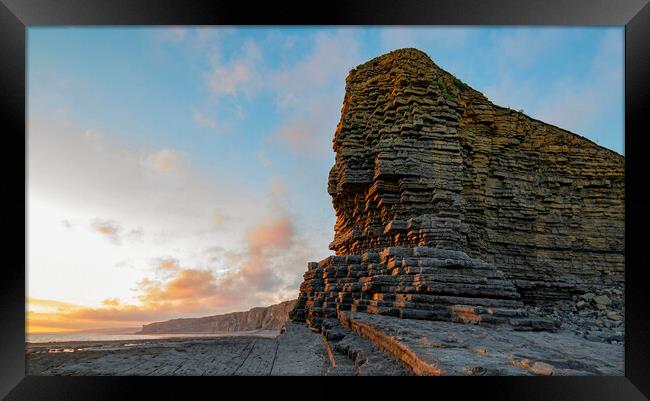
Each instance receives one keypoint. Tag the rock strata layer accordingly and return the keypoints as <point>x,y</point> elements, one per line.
<point>449,207</point>
<point>419,283</point>
<point>442,348</point>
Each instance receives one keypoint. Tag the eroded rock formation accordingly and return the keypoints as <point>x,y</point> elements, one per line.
<point>449,207</point>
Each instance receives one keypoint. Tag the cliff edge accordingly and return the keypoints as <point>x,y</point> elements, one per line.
<point>262,318</point>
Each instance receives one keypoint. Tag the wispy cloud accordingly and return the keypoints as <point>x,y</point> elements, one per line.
<point>192,290</point>
<point>323,69</point>
<point>525,47</point>
<point>578,105</point>
<point>166,264</point>
<point>108,228</point>
<point>181,291</point>
<point>309,119</point>
<point>263,158</point>
<point>164,161</point>
<point>149,202</point>
<point>303,137</point>
<point>113,230</point>
<point>205,121</point>
<point>241,76</point>
<point>217,217</point>
<point>307,93</point>
<point>263,242</point>
<point>111,302</point>
<point>266,267</point>
<point>136,234</point>
<point>172,34</point>
<point>282,93</point>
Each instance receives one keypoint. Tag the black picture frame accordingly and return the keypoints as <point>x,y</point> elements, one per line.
<point>17,15</point>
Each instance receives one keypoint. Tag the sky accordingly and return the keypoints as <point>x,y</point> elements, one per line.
<point>182,172</point>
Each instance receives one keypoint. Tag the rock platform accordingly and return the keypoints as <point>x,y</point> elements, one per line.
<point>298,351</point>
<point>443,348</point>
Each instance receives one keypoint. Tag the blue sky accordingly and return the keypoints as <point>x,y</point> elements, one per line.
<point>137,136</point>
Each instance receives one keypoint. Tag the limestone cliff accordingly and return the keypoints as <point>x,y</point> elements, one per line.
<point>451,207</point>
<point>266,318</point>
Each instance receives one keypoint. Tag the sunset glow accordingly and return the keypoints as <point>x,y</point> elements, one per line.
<point>182,172</point>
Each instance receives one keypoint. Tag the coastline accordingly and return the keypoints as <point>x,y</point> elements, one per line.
<point>138,337</point>
<point>357,344</point>
<point>298,352</point>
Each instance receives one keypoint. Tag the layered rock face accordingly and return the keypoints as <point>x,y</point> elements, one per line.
<point>263,318</point>
<point>449,207</point>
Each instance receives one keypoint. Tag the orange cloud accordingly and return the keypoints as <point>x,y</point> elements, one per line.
<point>186,292</point>
<point>270,233</point>
<point>303,137</point>
<point>107,228</point>
<point>217,217</point>
<point>44,315</point>
<point>186,285</point>
<point>189,293</point>
<point>164,161</point>
<point>48,304</point>
<point>267,240</point>
<point>166,264</point>
<point>111,302</point>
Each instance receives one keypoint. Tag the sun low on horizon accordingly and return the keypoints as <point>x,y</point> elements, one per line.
<point>182,172</point>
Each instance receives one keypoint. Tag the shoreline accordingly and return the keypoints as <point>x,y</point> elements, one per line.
<point>386,345</point>
<point>155,338</point>
<point>236,353</point>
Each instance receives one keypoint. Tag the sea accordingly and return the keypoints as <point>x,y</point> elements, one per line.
<point>36,338</point>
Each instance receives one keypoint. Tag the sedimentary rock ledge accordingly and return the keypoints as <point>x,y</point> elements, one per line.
<point>298,351</point>
<point>443,348</point>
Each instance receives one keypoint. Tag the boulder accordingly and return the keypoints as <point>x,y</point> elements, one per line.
<point>602,300</point>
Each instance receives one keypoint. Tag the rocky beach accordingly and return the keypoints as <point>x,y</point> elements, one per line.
<point>297,351</point>
<point>470,239</point>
